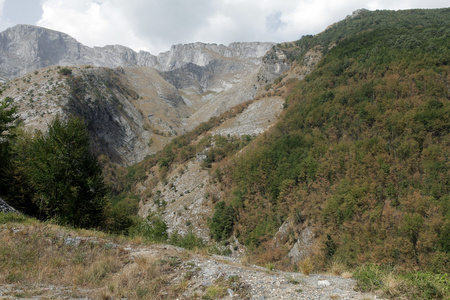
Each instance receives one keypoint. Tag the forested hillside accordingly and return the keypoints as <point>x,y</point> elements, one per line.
<point>361,155</point>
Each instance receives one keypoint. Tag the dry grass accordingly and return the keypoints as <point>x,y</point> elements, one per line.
<point>337,268</point>
<point>203,252</point>
<point>306,266</point>
<point>347,275</point>
<point>221,286</point>
<point>137,240</point>
<point>142,279</point>
<point>216,292</point>
<point>39,254</point>
<point>245,260</point>
<point>34,254</point>
<point>292,280</point>
<point>270,266</point>
<point>394,286</point>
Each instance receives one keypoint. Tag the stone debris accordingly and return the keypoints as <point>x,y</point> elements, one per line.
<point>261,283</point>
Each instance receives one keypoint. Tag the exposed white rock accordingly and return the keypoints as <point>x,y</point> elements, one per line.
<point>303,246</point>
<point>26,48</point>
<point>323,283</point>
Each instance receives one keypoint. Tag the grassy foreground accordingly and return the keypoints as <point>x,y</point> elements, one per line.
<point>36,255</point>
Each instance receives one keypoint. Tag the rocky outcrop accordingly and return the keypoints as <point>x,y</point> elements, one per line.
<point>117,126</point>
<point>100,96</point>
<point>202,54</point>
<point>275,63</point>
<point>4,207</point>
<point>183,200</point>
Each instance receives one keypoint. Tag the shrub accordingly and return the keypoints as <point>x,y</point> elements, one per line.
<point>368,278</point>
<point>153,229</point>
<point>65,71</point>
<point>11,217</point>
<point>189,241</point>
<point>221,224</point>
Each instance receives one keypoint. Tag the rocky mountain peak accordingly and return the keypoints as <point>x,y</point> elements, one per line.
<point>25,48</point>
<point>202,54</point>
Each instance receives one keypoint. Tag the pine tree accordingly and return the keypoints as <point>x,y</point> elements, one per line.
<point>65,174</point>
<point>7,118</point>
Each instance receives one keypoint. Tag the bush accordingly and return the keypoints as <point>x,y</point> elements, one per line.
<point>189,241</point>
<point>306,266</point>
<point>413,285</point>
<point>65,71</point>
<point>153,229</point>
<point>368,278</point>
<point>221,224</point>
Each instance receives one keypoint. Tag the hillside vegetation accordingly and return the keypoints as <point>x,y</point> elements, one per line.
<point>360,156</point>
<point>362,152</point>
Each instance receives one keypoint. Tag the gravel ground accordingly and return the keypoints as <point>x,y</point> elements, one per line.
<point>263,284</point>
<point>254,282</point>
<point>208,272</point>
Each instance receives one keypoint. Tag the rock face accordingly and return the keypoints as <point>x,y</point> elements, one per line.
<point>25,48</point>
<point>106,105</point>
<point>201,54</point>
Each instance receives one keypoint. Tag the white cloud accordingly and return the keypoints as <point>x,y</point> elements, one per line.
<point>274,22</point>
<point>3,22</point>
<point>155,25</point>
<point>93,23</point>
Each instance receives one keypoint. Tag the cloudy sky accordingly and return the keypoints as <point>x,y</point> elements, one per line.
<point>155,25</point>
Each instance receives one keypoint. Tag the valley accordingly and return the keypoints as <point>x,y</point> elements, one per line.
<point>330,152</point>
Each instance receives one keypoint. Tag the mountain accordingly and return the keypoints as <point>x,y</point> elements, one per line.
<point>25,48</point>
<point>134,103</point>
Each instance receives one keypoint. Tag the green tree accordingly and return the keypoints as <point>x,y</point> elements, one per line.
<point>65,174</point>
<point>65,72</point>
<point>19,191</point>
<point>412,224</point>
<point>7,118</point>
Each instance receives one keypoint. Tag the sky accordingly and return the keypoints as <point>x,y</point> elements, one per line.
<point>155,25</point>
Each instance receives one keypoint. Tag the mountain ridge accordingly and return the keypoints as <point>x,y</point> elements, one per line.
<point>26,48</point>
